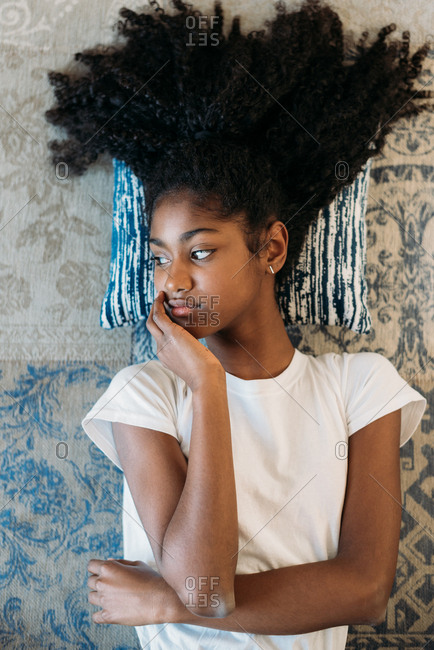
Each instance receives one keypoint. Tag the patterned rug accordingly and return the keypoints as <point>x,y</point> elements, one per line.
<point>60,496</point>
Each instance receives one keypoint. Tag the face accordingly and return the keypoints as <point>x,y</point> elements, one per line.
<point>212,268</point>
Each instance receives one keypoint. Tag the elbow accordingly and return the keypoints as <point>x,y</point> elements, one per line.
<point>376,617</point>
<point>208,603</point>
<point>208,596</point>
<point>376,605</point>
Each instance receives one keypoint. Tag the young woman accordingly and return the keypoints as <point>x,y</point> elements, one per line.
<point>261,485</point>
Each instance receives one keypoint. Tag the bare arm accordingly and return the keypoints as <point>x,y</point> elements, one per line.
<point>295,600</point>
<point>189,512</point>
<point>204,527</point>
<point>354,587</point>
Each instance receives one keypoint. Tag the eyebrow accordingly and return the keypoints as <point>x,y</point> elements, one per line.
<point>184,237</point>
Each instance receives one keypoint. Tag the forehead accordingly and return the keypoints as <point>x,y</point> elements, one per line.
<point>177,209</point>
<point>175,216</point>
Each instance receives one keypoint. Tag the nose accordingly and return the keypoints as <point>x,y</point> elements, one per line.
<point>178,279</point>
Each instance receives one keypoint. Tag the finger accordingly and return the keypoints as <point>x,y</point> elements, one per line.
<point>163,316</point>
<point>94,566</point>
<point>159,316</point>
<point>159,306</point>
<point>97,617</point>
<point>151,324</point>
<point>94,598</point>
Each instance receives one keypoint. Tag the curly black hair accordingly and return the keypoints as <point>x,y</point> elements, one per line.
<point>258,121</point>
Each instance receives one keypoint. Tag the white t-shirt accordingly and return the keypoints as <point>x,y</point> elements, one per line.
<point>289,446</point>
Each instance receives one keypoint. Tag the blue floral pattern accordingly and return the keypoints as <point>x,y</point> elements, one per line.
<point>61,506</point>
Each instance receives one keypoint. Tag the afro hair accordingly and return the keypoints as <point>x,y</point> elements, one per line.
<point>262,119</point>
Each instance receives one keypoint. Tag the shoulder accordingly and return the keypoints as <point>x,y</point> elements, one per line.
<point>349,373</point>
<point>365,361</point>
<point>152,368</point>
<point>147,376</point>
<point>362,369</point>
<point>370,387</point>
<point>358,364</point>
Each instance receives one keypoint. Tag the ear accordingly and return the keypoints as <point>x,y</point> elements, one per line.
<point>276,244</point>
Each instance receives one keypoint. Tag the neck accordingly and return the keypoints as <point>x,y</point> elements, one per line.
<point>256,348</point>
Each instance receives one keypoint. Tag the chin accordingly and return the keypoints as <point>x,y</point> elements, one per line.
<point>198,331</point>
<point>195,331</point>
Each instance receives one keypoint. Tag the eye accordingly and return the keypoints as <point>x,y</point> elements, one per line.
<point>155,258</point>
<point>204,251</point>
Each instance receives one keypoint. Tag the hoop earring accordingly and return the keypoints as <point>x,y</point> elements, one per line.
<point>271,268</point>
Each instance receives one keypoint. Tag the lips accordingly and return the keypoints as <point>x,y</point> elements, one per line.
<point>183,303</point>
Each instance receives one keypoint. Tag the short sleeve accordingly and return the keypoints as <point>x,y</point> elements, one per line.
<point>372,388</point>
<point>143,395</point>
